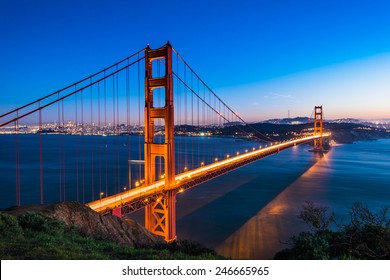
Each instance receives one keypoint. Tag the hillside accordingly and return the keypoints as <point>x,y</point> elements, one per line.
<point>70,230</point>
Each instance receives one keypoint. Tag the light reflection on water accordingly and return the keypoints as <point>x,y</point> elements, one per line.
<point>265,233</point>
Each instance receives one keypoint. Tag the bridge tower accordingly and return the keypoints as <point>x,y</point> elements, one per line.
<point>318,116</point>
<point>160,216</point>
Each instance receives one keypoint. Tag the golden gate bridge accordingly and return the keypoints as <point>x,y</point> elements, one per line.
<point>153,94</point>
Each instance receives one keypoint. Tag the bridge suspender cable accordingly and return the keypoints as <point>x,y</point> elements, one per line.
<point>63,97</point>
<point>219,99</point>
<point>218,113</point>
<point>74,84</point>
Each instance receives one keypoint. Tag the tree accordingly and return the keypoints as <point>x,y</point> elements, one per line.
<point>316,217</point>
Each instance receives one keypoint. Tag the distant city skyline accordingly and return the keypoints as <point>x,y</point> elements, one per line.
<point>263,58</point>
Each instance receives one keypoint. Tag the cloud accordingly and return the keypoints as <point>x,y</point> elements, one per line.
<point>275,95</point>
<point>283,96</point>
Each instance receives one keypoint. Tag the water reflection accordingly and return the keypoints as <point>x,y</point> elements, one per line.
<point>268,231</point>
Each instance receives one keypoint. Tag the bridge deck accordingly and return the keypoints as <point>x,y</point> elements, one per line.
<point>134,199</point>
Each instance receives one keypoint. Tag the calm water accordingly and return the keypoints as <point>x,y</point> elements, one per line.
<point>246,214</point>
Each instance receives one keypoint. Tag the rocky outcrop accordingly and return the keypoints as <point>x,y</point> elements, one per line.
<point>92,224</point>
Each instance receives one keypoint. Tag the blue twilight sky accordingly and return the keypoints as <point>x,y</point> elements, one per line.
<point>262,57</point>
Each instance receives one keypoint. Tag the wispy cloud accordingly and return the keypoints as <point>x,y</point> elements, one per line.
<point>275,95</point>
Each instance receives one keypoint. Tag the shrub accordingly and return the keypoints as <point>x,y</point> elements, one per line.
<point>9,226</point>
<point>307,246</point>
<point>36,222</point>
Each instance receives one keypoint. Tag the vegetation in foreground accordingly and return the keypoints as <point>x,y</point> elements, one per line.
<point>365,237</point>
<point>35,236</point>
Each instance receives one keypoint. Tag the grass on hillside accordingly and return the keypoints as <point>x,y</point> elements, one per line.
<point>35,236</point>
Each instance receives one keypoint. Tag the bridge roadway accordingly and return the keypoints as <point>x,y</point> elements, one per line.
<point>134,199</point>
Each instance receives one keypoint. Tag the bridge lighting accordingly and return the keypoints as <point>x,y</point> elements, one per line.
<point>238,153</point>
<point>246,150</point>
<point>260,147</point>
<point>202,163</point>
<point>253,148</point>
<point>101,194</point>
<point>227,156</point>
<point>181,190</point>
<point>124,188</point>
<point>137,184</point>
<point>185,168</point>
<point>216,159</point>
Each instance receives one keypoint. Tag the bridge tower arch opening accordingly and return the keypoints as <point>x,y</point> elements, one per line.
<point>160,216</point>
<point>318,118</point>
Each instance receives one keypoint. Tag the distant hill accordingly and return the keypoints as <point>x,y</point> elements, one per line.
<point>297,120</point>
<point>346,120</point>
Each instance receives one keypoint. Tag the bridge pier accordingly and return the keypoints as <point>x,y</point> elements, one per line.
<point>160,216</point>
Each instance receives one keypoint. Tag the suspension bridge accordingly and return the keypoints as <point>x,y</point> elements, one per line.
<point>131,136</point>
